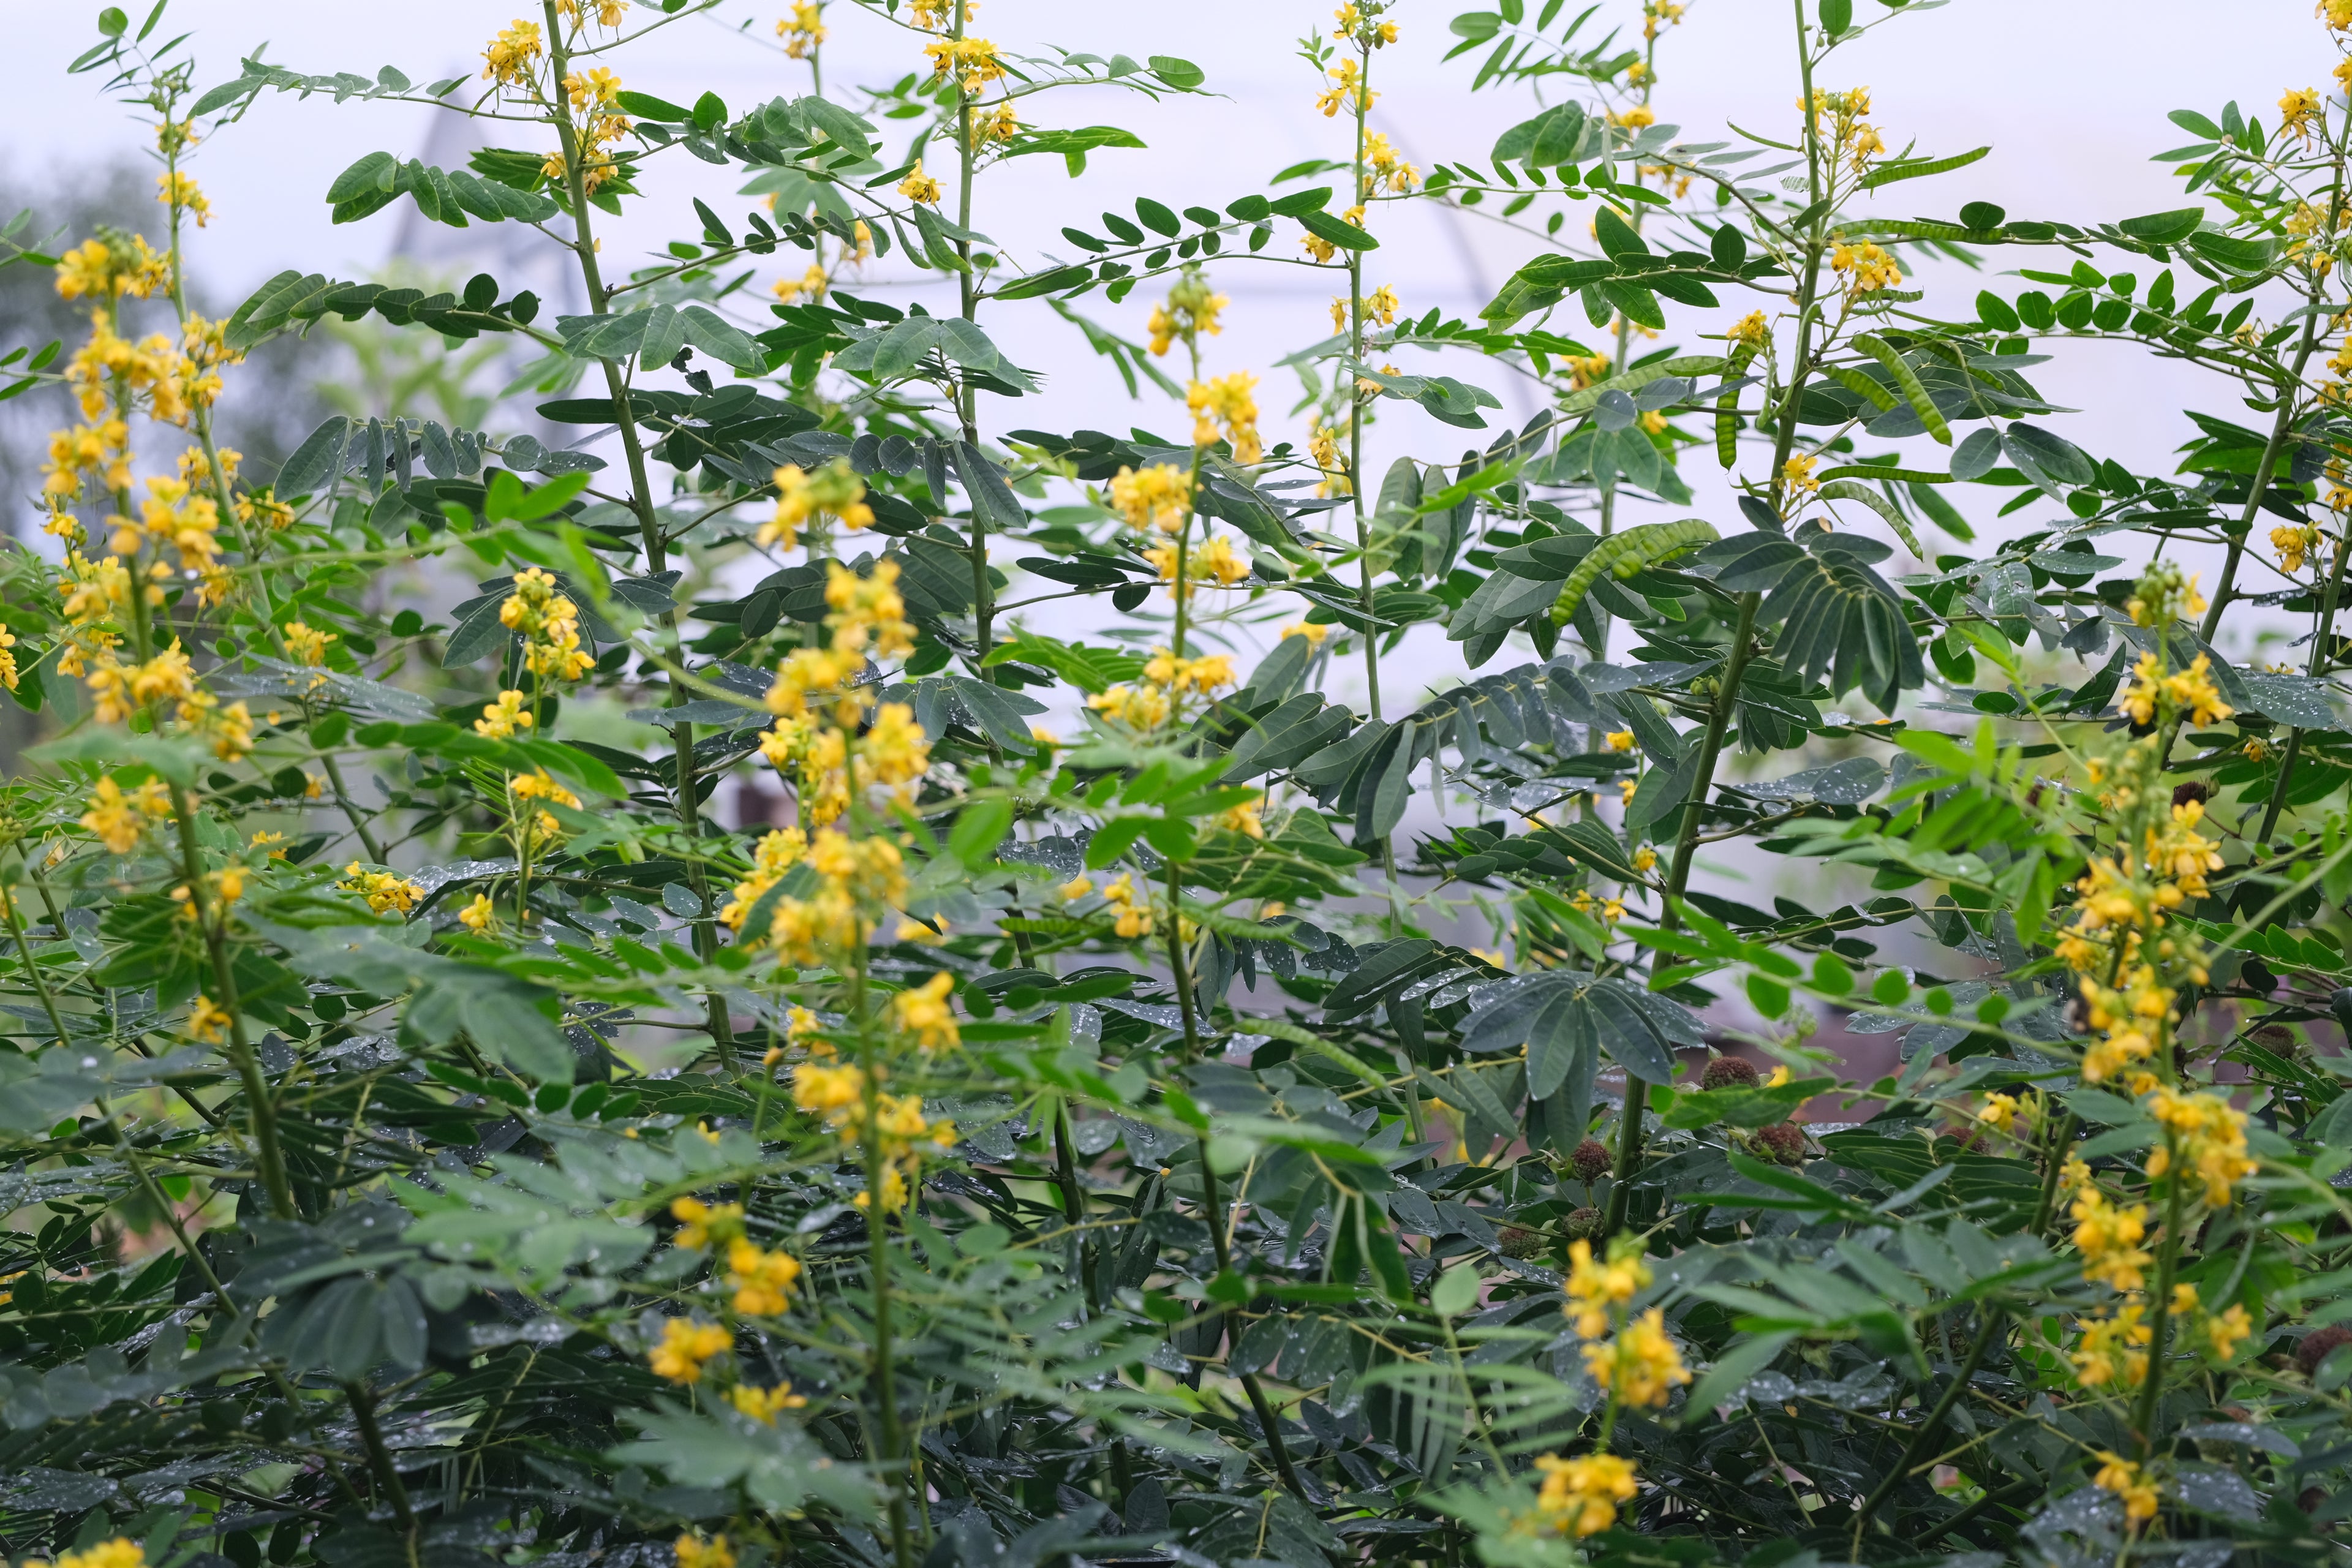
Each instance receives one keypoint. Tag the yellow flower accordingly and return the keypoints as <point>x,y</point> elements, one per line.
<point>1243,819</point>
<point>828,1091</point>
<point>2108,1238</point>
<point>1314,634</point>
<point>686,1346</point>
<point>1869,268</point>
<point>501,719</point>
<point>510,54</point>
<point>2209,1136</point>
<point>1641,1365</point>
<point>120,1552</point>
<point>480,915</point>
<point>307,644</point>
<point>1646,858</point>
<point>1595,1287</point>
<point>762,1405</point>
<point>1579,1497</point>
<point>2301,112</point>
<point>1158,496</point>
<point>2224,1330</point>
<point>1797,475</point>
<point>1345,91</point>
<point>1999,1112</point>
<point>924,1013</point>
<point>2110,1350</point>
<point>2129,1482</point>
<point>176,188</point>
<point>1619,740</point>
<point>972,61</point>
<point>763,1280</point>
<point>1077,887</point>
<point>208,1021</point>
<point>835,491</point>
<point>1226,402</point>
<point>1751,328</point>
<point>693,1552</point>
<point>1133,908</point>
<point>118,819</point>
<point>387,892</point>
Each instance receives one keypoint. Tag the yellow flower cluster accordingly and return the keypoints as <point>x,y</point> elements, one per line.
<point>1867,267</point>
<point>1157,497</point>
<point>2207,1134</point>
<point>119,820</point>
<point>2129,1481</point>
<point>810,285</point>
<point>154,371</point>
<point>1362,24</point>
<point>1130,905</point>
<point>1226,405</point>
<point>387,892</point>
<point>113,265</point>
<point>1347,91</point>
<point>1213,559</point>
<point>686,1348</point>
<point>550,626</point>
<point>1148,703</point>
<point>2301,113</point>
<point>1380,308</point>
<point>1751,328</point>
<point>1656,14</point>
<point>2112,1348</point>
<point>693,1552</point>
<point>923,1013</point>
<point>608,11</point>
<point>120,1552</point>
<point>2190,693</point>
<point>804,30</point>
<point>1579,1497</point>
<point>971,61</point>
<point>176,188</point>
<point>802,498</point>
<point>2108,1235</point>
<point>10,674</point>
<point>307,644</point>
<point>918,186</point>
<point>855,879</point>
<point>2295,544</point>
<point>501,720</point>
<point>1323,447</point>
<point>763,1280</point>
<point>761,1404</point>
<point>1387,166</point>
<point>1598,1288</point>
<point>900,1132</point>
<point>512,54</point>
<point>1838,121</point>
<point>1191,309</point>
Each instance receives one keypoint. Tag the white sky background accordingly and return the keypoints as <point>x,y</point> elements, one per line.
<point>2072,96</point>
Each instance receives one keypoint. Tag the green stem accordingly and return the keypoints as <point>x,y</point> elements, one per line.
<point>877,1255</point>
<point>1211,1205</point>
<point>2319,655</point>
<point>686,799</point>
<point>1995,1324</point>
<point>1356,406</point>
<point>379,1460</point>
<point>40,981</point>
<point>2167,1260</point>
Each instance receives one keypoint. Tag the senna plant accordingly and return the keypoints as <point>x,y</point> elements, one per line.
<point>441,1132</point>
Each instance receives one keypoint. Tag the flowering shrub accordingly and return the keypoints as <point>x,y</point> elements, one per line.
<point>439,1132</point>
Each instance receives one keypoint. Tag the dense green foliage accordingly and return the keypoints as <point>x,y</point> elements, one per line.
<point>435,1134</point>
